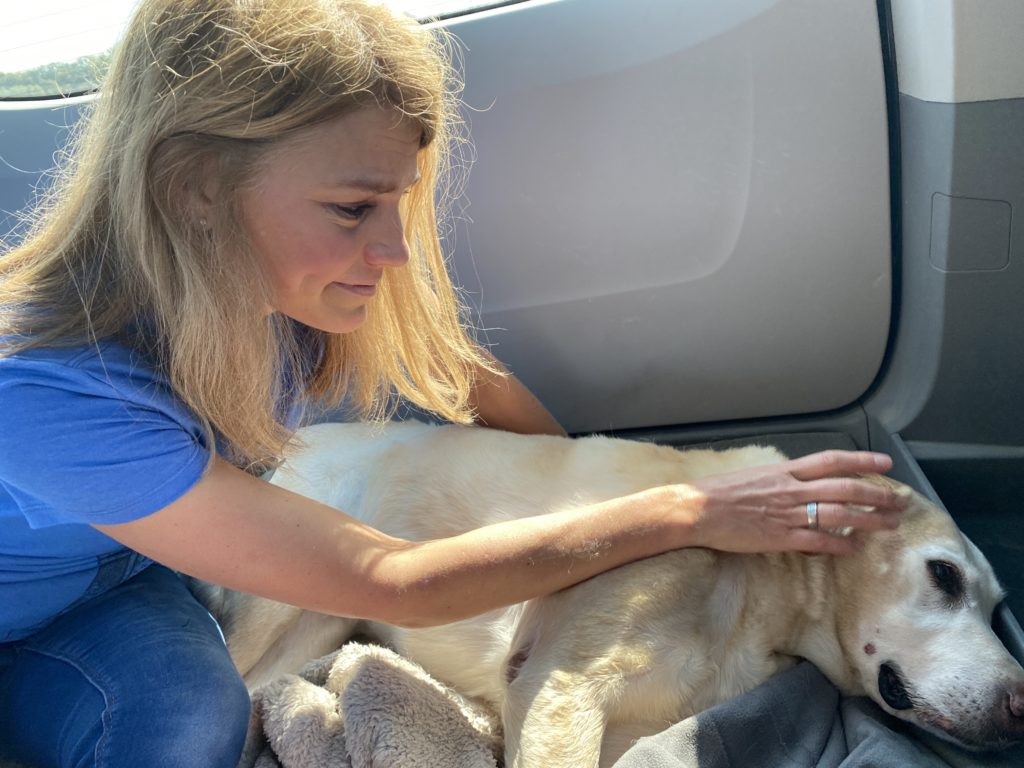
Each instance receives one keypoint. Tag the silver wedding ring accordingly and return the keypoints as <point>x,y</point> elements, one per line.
<point>812,515</point>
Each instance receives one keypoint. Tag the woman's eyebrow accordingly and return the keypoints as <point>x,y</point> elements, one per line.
<point>376,184</point>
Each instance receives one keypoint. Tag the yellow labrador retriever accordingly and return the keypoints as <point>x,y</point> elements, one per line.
<point>906,621</point>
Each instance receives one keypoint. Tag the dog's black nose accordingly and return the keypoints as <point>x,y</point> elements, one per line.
<point>891,687</point>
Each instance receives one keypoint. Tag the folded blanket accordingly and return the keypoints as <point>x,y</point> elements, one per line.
<point>366,707</point>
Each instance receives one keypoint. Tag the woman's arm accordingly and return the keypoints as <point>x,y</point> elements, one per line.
<point>501,401</point>
<point>240,532</point>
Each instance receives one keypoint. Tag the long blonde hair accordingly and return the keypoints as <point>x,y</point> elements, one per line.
<point>115,251</point>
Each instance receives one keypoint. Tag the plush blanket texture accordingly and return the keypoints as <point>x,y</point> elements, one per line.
<point>366,707</point>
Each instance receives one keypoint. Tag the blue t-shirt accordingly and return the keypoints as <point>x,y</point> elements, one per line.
<point>89,435</point>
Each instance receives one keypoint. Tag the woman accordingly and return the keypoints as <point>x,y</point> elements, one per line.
<point>248,222</point>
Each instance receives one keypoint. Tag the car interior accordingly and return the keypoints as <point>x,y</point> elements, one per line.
<point>701,223</point>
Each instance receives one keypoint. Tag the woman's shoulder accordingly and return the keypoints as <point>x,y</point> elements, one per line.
<point>99,436</point>
<point>88,375</point>
<point>107,360</point>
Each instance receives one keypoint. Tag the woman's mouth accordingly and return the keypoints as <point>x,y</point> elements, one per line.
<point>359,289</point>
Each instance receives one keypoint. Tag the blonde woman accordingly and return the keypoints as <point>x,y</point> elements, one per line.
<point>246,222</point>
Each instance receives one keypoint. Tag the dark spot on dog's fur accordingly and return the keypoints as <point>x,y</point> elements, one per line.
<point>869,649</point>
<point>515,663</point>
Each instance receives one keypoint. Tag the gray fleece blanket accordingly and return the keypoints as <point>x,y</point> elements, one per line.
<point>798,720</point>
<point>365,707</point>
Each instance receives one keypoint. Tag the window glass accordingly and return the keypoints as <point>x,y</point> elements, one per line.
<point>55,47</point>
<point>51,48</point>
<point>434,9</point>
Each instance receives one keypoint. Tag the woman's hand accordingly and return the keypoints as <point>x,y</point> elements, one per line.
<point>765,509</point>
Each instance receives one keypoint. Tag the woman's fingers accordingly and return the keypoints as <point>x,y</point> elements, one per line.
<point>832,477</point>
<point>836,463</point>
<point>823,542</point>
<point>818,503</point>
<point>837,517</point>
<point>851,490</point>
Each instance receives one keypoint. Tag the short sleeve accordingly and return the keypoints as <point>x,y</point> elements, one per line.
<point>94,443</point>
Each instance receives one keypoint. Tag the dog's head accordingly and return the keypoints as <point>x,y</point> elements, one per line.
<point>917,632</point>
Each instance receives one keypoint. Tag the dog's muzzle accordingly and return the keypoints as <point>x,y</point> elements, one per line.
<point>892,689</point>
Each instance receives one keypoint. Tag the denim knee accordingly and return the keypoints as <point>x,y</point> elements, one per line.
<point>213,733</point>
<point>168,692</point>
<point>65,712</point>
<point>207,728</point>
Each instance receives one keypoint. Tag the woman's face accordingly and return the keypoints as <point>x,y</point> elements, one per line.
<point>323,215</point>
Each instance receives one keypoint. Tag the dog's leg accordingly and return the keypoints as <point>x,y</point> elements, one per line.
<point>308,636</point>
<point>558,688</point>
<point>591,655</point>
<point>553,722</point>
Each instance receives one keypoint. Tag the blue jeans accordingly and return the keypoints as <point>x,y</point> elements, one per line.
<point>137,676</point>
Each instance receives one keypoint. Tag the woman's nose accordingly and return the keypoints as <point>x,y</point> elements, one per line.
<point>386,245</point>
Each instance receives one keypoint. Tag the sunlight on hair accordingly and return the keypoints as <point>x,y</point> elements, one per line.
<point>56,47</point>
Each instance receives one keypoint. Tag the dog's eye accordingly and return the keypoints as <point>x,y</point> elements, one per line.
<point>947,578</point>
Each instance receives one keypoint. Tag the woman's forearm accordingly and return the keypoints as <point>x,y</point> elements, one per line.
<point>756,509</point>
<point>501,401</point>
<point>237,531</point>
<point>436,582</point>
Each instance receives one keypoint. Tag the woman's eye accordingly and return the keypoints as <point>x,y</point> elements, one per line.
<point>350,212</point>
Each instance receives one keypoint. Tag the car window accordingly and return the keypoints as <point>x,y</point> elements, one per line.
<point>57,47</point>
<point>51,48</point>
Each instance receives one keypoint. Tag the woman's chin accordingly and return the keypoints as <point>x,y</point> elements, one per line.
<point>332,319</point>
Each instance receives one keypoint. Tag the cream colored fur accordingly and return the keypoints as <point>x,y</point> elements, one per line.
<point>643,646</point>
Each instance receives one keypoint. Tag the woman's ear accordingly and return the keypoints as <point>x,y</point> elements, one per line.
<point>202,188</point>
<point>187,182</point>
